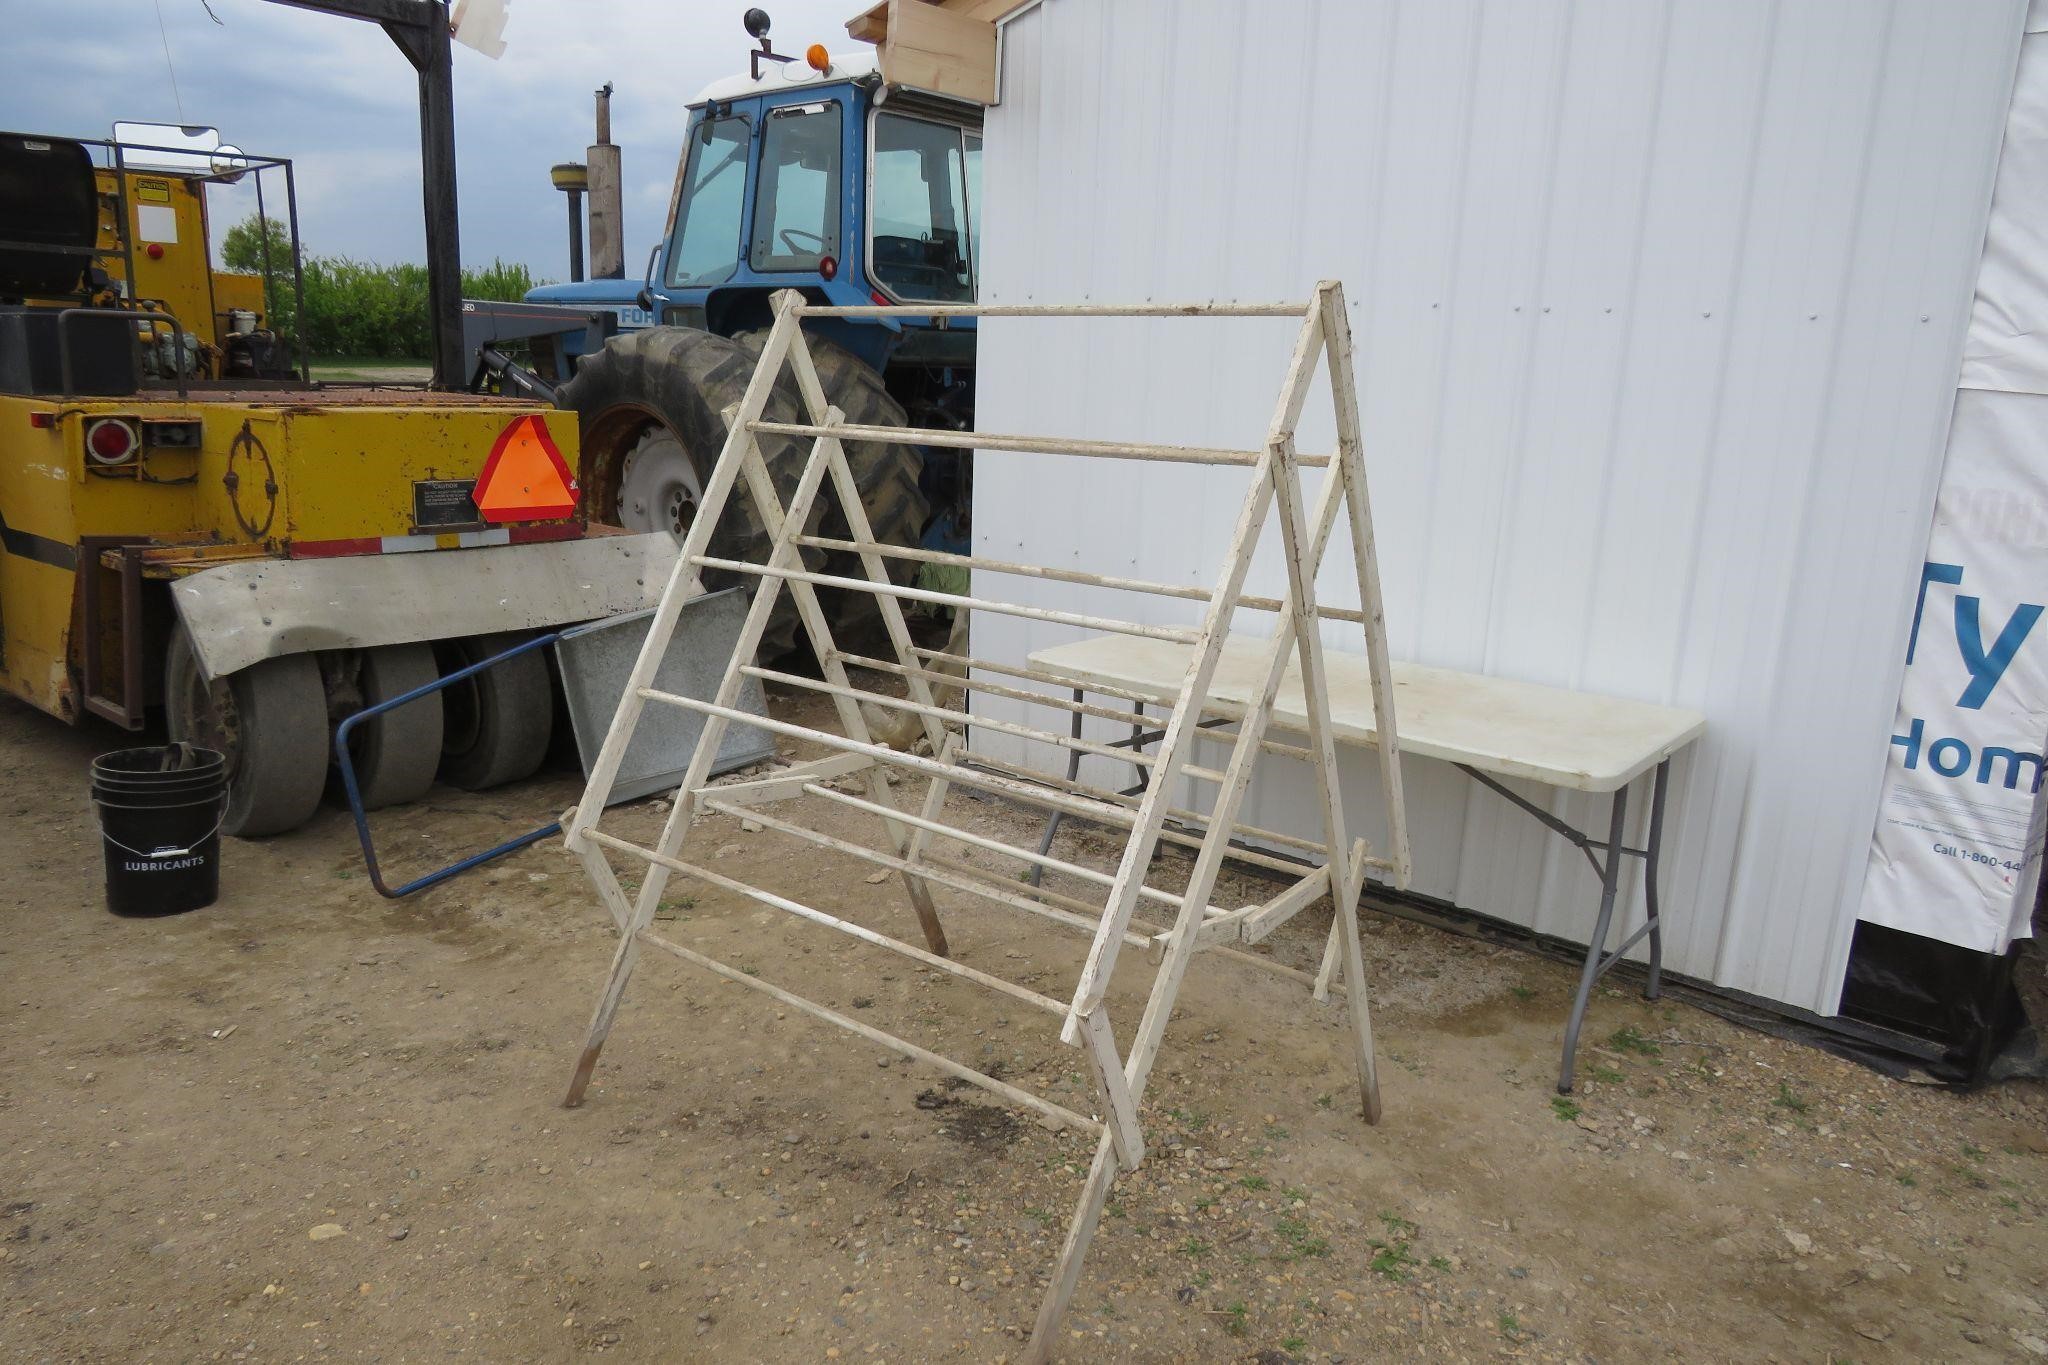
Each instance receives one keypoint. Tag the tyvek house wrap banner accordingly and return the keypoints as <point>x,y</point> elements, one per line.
<point>1957,849</point>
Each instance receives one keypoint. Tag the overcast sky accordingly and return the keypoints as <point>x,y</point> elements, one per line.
<point>336,97</point>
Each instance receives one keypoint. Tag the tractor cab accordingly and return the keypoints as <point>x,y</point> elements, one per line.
<point>814,174</point>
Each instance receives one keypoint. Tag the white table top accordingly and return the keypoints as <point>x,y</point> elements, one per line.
<point>1502,727</point>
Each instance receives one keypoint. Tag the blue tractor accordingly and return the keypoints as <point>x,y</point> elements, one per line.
<point>812,175</point>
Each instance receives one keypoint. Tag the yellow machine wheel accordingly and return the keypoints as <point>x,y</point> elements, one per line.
<point>497,725</point>
<point>395,754</point>
<point>269,719</point>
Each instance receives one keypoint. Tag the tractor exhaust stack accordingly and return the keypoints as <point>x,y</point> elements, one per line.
<point>607,197</point>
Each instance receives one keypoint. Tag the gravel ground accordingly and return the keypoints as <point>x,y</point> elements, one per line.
<point>309,1124</point>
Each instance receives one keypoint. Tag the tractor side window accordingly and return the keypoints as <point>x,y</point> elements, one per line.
<point>796,209</point>
<point>707,242</point>
<point>922,244</point>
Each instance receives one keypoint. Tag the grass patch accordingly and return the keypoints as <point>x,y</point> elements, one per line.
<point>1789,1099</point>
<point>1325,1100</point>
<point>1236,1318</point>
<point>1254,1182</point>
<point>1522,993</point>
<point>1606,1075</point>
<point>1195,1247</point>
<point>1906,1178</point>
<point>1294,1346</point>
<point>1565,1107</point>
<point>1510,1326</point>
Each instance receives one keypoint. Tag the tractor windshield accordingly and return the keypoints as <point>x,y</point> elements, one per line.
<point>707,243</point>
<point>922,200</point>
<point>796,208</point>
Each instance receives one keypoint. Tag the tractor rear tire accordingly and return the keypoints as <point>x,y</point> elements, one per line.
<point>395,754</point>
<point>269,719</point>
<point>649,387</point>
<point>886,473</point>
<point>659,385</point>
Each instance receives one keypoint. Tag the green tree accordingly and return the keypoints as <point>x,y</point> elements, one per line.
<point>241,249</point>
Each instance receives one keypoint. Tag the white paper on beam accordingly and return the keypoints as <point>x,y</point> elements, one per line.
<point>480,24</point>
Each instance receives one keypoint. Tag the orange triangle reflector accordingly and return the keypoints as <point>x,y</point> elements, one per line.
<point>525,478</point>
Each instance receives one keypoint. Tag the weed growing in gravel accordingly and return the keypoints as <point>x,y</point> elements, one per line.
<point>1325,1100</point>
<point>1254,1182</point>
<point>1195,1247</point>
<point>1236,1318</point>
<point>1301,1243</point>
<point>1606,1075</point>
<point>1629,1038</point>
<point>1565,1108</point>
<point>1510,1326</point>
<point>1294,1346</point>
<point>1522,993</point>
<point>1788,1099</point>
<point>1907,1179</point>
<point>1439,1263</point>
<point>1391,1257</point>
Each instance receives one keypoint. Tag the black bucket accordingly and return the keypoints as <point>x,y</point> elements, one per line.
<point>160,812</point>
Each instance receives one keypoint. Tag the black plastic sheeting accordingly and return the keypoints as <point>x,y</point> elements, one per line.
<point>1959,1000</point>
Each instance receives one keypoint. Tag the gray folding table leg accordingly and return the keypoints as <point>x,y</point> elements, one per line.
<point>1610,877</point>
<point>1654,985</point>
<point>1052,820</point>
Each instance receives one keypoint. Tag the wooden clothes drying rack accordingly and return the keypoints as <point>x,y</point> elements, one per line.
<point>1336,864</point>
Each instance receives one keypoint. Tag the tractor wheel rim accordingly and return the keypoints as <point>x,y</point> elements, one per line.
<point>659,489</point>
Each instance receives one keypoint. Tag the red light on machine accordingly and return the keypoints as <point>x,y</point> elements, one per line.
<point>111,441</point>
<point>42,421</point>
<point>155,251</point>
<point>828,266</point>
<point>525,478</point>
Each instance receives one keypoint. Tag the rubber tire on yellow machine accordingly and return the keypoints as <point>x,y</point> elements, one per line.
<point>395,754</point>
<point>269,719</point>
<point>497,724</point>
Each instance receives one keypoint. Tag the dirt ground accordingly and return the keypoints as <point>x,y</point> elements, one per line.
<point>311,1124</point>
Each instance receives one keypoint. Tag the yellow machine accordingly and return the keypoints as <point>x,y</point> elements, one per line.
<point>259,556</point>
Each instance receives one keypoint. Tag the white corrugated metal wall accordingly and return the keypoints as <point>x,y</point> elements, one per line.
<point>1658,309</point>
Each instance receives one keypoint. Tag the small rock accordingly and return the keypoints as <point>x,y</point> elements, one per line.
<point>1872,1331</point>
<point>725,850</point>
<point>1801,1243</point>
<point>2031,1344</point>
<point>536,876</point>
<point>399,1234</point>
<point>1219,1163</point>
<point>326,1230</point>
<point>750,826</point>
<point>877,878</point>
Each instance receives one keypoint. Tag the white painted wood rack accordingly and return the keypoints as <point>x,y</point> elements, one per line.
<point>1338,862</point>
